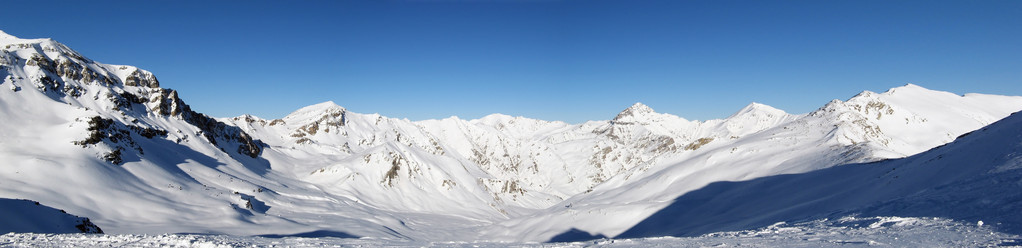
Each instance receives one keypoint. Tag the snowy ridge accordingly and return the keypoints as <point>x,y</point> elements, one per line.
<point>111,135</point>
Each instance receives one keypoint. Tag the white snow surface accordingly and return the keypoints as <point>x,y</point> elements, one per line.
<point>843,232</point>
<point>326,170</point>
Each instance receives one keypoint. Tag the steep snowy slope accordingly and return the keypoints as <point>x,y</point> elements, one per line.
<point>106,142</point>
<point>975,178</point>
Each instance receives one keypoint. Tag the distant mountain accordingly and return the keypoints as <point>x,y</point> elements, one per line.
<point>108,142</point>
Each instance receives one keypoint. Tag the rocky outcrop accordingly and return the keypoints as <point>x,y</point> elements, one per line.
<point>55,72</point>
<point>118,136</point>
<point>166,102</point>
<point>142,78</point>
<point>72,68</point>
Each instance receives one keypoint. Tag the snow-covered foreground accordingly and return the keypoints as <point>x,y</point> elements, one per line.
<point>844,232</point>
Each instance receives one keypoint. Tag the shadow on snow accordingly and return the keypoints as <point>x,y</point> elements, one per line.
<point>978,177</point>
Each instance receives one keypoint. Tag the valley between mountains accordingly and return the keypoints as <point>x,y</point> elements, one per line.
<point>110,143</point>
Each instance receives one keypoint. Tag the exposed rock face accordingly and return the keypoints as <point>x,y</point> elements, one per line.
<point>333,119</point>
<point>59,73</point>
<point>166,102</point>
<point>86,226</point>
<point>72,66</point>
<point>118,136</point>
<point>142,79</point>
<point>857,119</point>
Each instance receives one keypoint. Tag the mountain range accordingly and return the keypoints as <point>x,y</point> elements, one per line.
<point>109,143</point>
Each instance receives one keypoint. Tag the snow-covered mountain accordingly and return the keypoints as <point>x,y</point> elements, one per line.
<point>107,142</point>
<point>976,179</point>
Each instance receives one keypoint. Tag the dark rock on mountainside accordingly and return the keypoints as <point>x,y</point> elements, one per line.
<point>166,102</point>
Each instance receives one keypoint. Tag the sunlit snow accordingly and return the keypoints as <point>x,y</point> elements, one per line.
<point>108,143</point>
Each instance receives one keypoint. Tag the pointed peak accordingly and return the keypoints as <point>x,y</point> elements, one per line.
<point>829,107</point>
<point>636,109</point>
<point>319,108</point>
<point>638,106</point>
<point>636,112</point>
<point>756,105</point>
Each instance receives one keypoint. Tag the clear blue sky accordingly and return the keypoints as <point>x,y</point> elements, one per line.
<point>555,60</point>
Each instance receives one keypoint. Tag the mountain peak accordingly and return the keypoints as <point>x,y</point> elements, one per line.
<point>756,108</point>
<point>327,104</point>
<point>637,113</point>
<point>910,88</point>
<point>495,118</point>
<point>636,109</point>
<point>756,105</point>
<point>318,109</point>
<point>640,106</point>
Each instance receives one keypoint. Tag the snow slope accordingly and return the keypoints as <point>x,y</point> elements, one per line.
<point>107,142</point>
<point>975,178</point>
<point>29,216</point>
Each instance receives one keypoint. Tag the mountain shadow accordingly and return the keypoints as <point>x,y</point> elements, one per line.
<point>975,178</point>
<point>575,235</point>
<point>18,215</point>
<point>314,234</point>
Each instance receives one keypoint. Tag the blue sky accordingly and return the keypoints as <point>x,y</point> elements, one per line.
<point>555,60</point>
